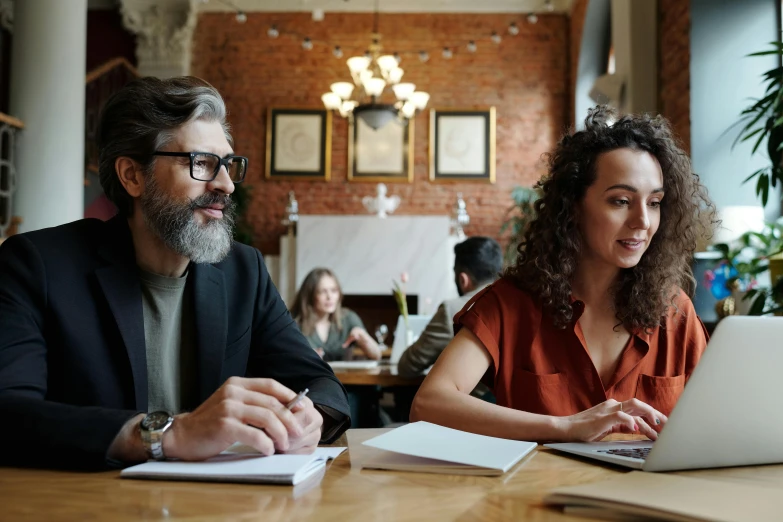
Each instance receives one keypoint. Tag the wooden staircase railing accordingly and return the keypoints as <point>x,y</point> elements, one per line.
<point>100,84</point>
<point>9,126</point>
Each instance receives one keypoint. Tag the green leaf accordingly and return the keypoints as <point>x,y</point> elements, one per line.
<point>755,174</point>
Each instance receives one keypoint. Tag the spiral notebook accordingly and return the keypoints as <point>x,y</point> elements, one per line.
<point>238,465</point>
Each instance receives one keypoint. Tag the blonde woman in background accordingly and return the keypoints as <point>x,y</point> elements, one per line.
<point>331,330</point>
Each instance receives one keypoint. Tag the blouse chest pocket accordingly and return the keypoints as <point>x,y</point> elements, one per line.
<point>660,392</point>
<point>545,394</point>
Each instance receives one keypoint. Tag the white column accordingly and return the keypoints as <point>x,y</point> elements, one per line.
<point>164,33</point>
<point>48,63</point>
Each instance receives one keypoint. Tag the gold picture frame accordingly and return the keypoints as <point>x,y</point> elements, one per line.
<point>298,144</point>
<point>382,156</point>
<point>462,145</point>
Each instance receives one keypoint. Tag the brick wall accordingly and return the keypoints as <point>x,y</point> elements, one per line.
<point>525,78</point>
<point>674,87</point>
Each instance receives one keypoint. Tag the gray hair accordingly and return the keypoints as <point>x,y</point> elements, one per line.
<point>143,117</point>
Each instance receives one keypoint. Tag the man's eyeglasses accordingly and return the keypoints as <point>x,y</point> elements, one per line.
<point>204,166</point>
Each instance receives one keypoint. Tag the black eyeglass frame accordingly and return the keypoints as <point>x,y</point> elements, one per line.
<point>222,162</point>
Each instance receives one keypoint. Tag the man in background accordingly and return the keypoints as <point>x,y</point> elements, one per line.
<point>478,262</point>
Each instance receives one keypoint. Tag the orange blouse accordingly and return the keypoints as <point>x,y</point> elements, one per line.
<point>539,368</point>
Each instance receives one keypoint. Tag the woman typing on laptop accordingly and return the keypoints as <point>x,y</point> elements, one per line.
<point>590,332</point>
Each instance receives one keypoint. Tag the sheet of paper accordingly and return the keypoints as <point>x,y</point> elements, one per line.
<point>242,449</point>
<point>422,439</point>
<point>353,365</point>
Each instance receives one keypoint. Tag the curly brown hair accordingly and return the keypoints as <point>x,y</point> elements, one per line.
<point>551,249</point>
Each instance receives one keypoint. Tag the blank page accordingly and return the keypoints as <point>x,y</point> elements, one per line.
<point>422,439</point>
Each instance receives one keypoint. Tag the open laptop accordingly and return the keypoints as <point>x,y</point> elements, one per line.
<point>729,413</point>
<point>417,324</point>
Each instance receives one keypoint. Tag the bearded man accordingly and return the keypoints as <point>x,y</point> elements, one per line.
<point>154,335</point>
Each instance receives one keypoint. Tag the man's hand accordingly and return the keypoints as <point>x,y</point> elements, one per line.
<point>250,411</point>
<point>311,421</point>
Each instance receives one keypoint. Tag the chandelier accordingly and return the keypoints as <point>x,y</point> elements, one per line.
<point>371,74</point>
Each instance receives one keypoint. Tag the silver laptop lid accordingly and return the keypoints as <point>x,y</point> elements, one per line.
<point>730,412</point>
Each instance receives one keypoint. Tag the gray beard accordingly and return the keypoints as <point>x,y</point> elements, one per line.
<point>175,223</point>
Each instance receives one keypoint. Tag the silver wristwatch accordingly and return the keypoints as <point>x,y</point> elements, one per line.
<point>152,427</point>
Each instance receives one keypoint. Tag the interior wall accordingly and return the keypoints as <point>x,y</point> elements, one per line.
<point>723,83</point>
<point>525,78</point>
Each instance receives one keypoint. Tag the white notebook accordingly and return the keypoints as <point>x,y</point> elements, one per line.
<point>429,448</point>
<point>238,466</point>
<point>353,365</point>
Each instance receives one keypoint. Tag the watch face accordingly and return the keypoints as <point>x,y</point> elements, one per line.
<point>155,420</point>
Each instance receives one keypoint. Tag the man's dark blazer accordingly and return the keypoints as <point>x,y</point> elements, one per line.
<point>72,351</point>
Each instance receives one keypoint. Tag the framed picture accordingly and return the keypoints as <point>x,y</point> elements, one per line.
<point>462,145</point>
<point>383,155</point>
<point>298,144</point>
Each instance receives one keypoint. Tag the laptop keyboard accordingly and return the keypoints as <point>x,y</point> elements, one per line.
<point>634,453</point>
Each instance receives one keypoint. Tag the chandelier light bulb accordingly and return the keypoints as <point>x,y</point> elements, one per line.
<point>472,46</point>
<point>495,37</point>
<point>403,91</point>
<point>397,57</point>
<point>387,62</point>
<point>532,18</point>
<point>424,56</point>
<point>513,28</point>
<point>342,89</point>
<point>374,86</point>
<point>419,99</point>
<point>347,108</point>
<point>241,17</point>
<point>337,52</point>
<point>272,32</point>
<point>307,44</point>
<point>408,110</point>
<point>395,75</point>
<point>358,64</point>
<point>331,101</point>
<point>447,53</point>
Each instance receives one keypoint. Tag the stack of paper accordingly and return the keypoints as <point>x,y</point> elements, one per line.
<point>238,467</point>
<point>669,497</point>
<point>429,448</point>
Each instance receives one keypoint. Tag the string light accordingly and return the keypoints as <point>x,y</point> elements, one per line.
<point>447,54</point>
<point>472,46</point>
<point>513,29</point>
<point>532,18</point>
<point>307,44</point>
<point>337,52</point>
<point>495,37</point>
<point>424,56</point>
<point>241,17</point>
<point>272,32</point>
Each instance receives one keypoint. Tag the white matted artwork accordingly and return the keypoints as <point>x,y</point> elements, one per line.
<point>462,145</point>
<point>384,155</point>
<point>298,144</point>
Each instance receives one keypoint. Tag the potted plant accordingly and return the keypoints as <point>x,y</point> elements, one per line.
<point>761,121</point>
<point>517,217</point>
<point>739,278</point>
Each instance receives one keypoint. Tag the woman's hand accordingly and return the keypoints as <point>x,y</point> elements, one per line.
<point>363,341</point>
<point>631,416</point>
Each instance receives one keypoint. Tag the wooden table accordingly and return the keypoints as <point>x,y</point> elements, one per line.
<point>381,375</point>
<point>344,493</point>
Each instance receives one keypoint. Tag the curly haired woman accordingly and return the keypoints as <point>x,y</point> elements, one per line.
<point>590,333</point>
